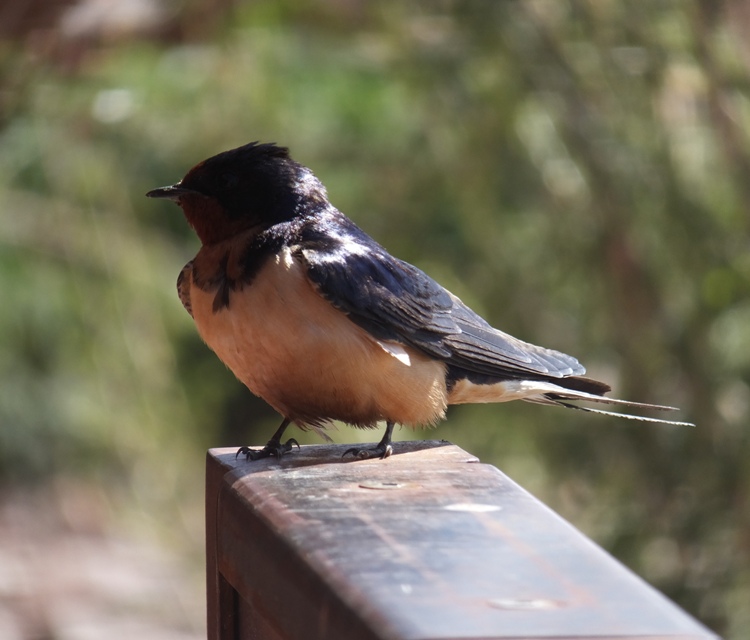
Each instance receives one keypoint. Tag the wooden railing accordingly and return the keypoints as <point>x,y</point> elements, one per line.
<point>426,544</point>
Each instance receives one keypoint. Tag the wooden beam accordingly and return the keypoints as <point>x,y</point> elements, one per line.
<point>426,544</point>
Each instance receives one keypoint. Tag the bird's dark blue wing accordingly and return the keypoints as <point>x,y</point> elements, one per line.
<point>395,301</point>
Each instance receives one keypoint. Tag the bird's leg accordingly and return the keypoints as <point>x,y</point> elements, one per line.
<point>382,450</point>
<point>273,446</point>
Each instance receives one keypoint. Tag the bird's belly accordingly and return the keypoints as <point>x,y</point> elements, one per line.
<point>309,361</point>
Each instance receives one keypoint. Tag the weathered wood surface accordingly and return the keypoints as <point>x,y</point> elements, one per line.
<point>426,544</point>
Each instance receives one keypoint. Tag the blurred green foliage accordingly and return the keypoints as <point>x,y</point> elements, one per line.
<point>578,172</point>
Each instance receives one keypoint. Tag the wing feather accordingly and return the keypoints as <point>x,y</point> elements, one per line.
<point>395,301</point>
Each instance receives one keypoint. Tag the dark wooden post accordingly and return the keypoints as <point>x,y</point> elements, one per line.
<point>426,544</point>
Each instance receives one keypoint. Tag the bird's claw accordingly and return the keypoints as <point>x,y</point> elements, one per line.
<point>273,448</point>
<point>380,451</point>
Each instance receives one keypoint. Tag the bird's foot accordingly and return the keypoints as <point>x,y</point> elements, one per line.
<point>272,448</point>
<point>382,451</point>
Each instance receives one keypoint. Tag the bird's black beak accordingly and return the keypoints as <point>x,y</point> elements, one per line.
<point>173,192</point>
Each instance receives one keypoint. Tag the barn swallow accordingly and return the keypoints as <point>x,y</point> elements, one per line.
<point>319,320</point>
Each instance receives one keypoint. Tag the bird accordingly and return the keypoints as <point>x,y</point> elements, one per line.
<point>319,320</point>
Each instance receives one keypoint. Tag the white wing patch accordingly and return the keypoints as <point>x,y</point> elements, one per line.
<point>397,351</point>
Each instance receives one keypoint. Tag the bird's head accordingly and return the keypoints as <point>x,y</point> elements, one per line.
<point>252,187</point>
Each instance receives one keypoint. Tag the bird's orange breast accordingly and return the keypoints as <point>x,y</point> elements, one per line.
<point>308,360</point>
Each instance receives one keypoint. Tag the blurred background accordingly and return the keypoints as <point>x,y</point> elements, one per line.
<point>577,171</point>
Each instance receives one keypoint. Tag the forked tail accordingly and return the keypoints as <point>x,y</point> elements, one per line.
<point>555,394</point>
